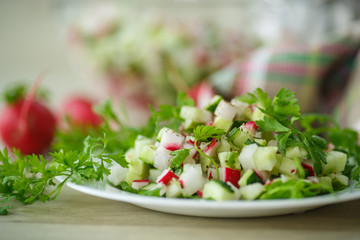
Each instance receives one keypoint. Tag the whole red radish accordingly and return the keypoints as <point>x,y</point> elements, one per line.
<point>26,124</point>
<point>79,112</point>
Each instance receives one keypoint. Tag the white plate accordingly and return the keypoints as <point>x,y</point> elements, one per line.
<point>207,208</point>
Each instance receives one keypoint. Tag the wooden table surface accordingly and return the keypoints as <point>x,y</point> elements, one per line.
<point>75,215</point>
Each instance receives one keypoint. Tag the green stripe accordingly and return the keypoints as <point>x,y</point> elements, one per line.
<point>300,58</point>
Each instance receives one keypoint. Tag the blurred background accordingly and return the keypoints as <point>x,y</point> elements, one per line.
<point>140,52</point>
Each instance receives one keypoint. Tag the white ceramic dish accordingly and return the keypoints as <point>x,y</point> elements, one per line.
<point>207,208</point>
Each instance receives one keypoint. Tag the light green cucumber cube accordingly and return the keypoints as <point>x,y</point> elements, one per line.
<point>217,190</point>
<point>141,142</point>
<point>229,159</point>
<point>288,166</point>
<point>339,181</point>
<point>174,190</point>
<point>265,158</point>
<point>336,162</point>
<point>252,191</point>
<point>222,123</point>
<point>147,154</point>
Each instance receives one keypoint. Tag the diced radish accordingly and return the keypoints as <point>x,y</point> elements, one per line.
<point>308,165</point>
<point>212,173</point>
<point>240,108</point>
<point>231,175</point>
<point>246,157</point>
<point>137,184</point>
<point>212,147</point>
<point>191,179</point>
<point>190,145</point>
<point>201,93</point>
<point>225,111</point>
<point>162,158</point>
<point>249,127</point>
<point>171,140</point>
<point>117,174</point>
<point>263,175</point>
<point>166,177</point>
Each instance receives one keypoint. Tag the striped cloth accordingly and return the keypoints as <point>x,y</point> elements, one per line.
<point>322,77</point>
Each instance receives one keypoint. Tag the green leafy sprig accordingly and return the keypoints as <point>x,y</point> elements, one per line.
<point>281,113</point>
<point>204,133</point>
<point>32,177</point>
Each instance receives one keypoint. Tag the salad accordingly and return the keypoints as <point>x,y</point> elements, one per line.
<point>251,147</point>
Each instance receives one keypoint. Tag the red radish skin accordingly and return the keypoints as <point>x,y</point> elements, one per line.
<point>172,147</point>
<point>251,125</point>
<point>309,167</point>
<point>31,132</point>
<point>79,111</point>
<point>167,177</point>
<point>233,176</point>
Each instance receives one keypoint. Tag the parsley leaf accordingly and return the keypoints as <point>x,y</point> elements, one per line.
<point>179,157</point>
<point>206,133</point>
<point>30,178</point>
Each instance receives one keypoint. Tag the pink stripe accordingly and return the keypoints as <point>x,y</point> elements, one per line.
<point>290,68</point>
<point>336,49</point>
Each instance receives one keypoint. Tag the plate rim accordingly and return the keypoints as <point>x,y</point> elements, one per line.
<point>113,193</point>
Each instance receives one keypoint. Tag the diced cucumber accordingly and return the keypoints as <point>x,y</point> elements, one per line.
<point>130,155</point>
<point>288,166</point>
<point>257,115</point>
<point>239,137</point>
<point>225,146</point>
<point>222,123</point>
<point>131,176</point>
<point>327,181</point>
<point>214,102</point>
<point>249,177</point>
<point>246,156</point>
<point>225,110</point>
<point>260,141</point>
<point>339,181</point>
<point>265,158</point>
<point>140,142</point>
<point>189,124</point>
<point>147,154</point>
<point>240,108</point>
<point>336,162</point>
<point>295,153</point>
<point>154,173</point>
<point>217,190</point>
<point>173,190</point>
<point>252,191</point>
<point>229,159</point>
<point>140,168</point>
<point>195,114</point>
<point>205,163</point>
